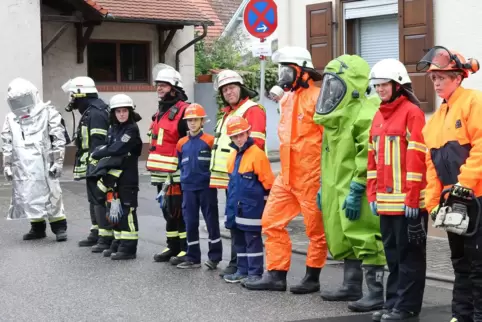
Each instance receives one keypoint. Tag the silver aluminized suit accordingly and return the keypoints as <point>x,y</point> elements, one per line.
<point>33,155</point>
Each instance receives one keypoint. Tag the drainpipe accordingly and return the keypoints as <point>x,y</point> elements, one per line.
<point>189,44</point>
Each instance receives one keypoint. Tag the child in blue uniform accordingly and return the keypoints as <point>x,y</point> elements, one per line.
<point>194,152</point>
<point>250,179</point>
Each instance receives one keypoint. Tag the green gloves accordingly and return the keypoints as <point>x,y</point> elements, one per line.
<point>352,202</point>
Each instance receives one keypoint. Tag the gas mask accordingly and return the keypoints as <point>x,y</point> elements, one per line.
<point>286,76</point>
<point>332,92</point>
<point>22,104</point>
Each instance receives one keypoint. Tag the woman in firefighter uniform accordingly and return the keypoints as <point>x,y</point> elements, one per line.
<point>91,133</point>
<point>238,100</point>
<point>121,183</point>
<point>395,188</point>
<point>294,190</point>
<point>166,129</point>
<point>453,136</point>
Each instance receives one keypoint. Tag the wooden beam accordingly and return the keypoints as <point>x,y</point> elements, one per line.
<point>57,35</point>
<point>61,18</point>
<point>82,40</point>
<point>161,39</point>
<point>167,42</point>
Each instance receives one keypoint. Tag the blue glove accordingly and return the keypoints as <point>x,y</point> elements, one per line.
<point>373,208</point>
<point>352,202</point>
<point>411,213</point>
<point>318,199</point>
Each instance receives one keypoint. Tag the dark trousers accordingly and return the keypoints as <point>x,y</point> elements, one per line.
<point>92,197</point>
<point>234,258</point>
<point>175,230</point>
<point>406,262</point>
<point>249,248</point>
<point>126,232</point>
<point>466,256</point>
<point>207,201</point>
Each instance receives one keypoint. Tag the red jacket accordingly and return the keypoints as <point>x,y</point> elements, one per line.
<point>256,117</point>
<point>396,158</point>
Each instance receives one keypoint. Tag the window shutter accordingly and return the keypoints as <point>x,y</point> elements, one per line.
<point>319,38</point>
<point>415,37</point>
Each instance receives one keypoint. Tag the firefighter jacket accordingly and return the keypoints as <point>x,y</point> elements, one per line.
<point>453,136</point>
<point>91,133</point>
<point>396,158</point>
<point>123,143</point>
<point>164,134</point>
<point>194,154</point>
<point>250,179</point>
<point>255,114</point>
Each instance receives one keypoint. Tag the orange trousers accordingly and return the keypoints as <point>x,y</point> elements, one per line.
<point>284,204</point>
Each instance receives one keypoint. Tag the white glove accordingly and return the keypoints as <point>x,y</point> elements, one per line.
<point>7,172</point>
<point>55,171</point>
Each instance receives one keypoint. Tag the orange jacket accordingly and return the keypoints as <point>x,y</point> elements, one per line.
<point>396,158</point>
<point>300,138</point>
<point>453,137</point>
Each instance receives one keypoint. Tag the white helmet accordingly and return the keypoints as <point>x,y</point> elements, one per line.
<point>80,85</point>
<point>389,69</point>
<point>121,100</point>
<point>293,55</point>
<point>227,77</point>
<point>167,74</point>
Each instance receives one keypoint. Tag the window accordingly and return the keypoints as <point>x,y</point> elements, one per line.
<point>118,62</point>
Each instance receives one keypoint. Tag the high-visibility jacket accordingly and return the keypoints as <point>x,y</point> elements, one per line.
<point>164,136</point>
<point>250,180</point>
<point>396,158</point>
<point>222,148</point>
<point>453,136</point>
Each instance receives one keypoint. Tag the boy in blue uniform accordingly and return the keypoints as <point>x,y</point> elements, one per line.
<point>194,152</point>
<point>250,179</point>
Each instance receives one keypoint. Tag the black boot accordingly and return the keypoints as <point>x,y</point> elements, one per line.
<point>351,290</point>
<point>271,281</point>
<point>310,283</point>
<point>37,231</point>
<point>59,228</point>
<point>122,256</point>
<point>91,239</point>
<point>113,248</point>
<point>396,315</point>
<point>228,270</point>
<point>165,255</point>
<point>374,300</point>
<point>377,315</point>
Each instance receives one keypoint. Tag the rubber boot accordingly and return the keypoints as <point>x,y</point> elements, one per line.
<point>91,239</point>
<point>310,283</point>
<point>271,281</point>
<point>374,299</point>
<point>37,231</point>
<point>351,290</point>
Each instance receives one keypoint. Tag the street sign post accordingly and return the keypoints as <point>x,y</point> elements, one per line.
<point>261,21</point>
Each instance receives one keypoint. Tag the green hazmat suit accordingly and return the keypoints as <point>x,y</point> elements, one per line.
<point>344,159</point>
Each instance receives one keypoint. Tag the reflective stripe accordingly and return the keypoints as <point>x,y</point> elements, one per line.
<point>130,221</point>
<point>94,227</point>
<point>98,131</point>
<point>85,136</point>
<point>183,235</point>
<point>387,150</point>
<point>394,202</point>
<point>258,135</point>
<point>52,220</point>
<point>412,145</point>
<point>106,232</point>
<point>371,174</point>
<point>193,243</point>
<point>161,177</point>
<point>129,235</point>
<point>391,197</point>
<point>392,207</point>
<point>162,163</point>
<point>181,254</point>
<point>84,157</point>
<point>219,180</point>
<point>414,176</point>
<point>396,167</point>
<point>115,173</point>
<point>204,158</point>
<point>248,222</point>
<point>185,159</point>
<point>376,146</point>
<point>370,147</point>
<point>242,254</point>
<point>101,186</point>
<point>172,234</point>
<point>160,136</point>
<point>37,220</point>
<point>214,241</point>
<point>255,254</point>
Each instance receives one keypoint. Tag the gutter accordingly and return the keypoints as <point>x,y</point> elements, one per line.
<point>189,44</point>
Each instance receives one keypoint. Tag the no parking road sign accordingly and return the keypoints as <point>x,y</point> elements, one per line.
<point>261,18</point>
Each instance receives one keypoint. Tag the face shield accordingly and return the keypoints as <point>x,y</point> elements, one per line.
<point>437,58</point>
<point>332,92</point>
<point>286,76</point>
<point>22,104</point>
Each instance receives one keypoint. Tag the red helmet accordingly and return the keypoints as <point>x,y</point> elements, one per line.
<point>194,111</point>
<point>237,125</point>
<point>441,59</point>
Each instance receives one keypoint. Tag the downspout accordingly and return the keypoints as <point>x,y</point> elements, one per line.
<point>189,44</point>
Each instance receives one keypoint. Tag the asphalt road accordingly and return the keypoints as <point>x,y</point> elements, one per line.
<point>49,281</point>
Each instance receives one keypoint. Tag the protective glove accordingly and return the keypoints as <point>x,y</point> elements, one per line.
<point>417,234</point>
<point>115,213</point>
<point>55,171</point>
<point>373,208</point>
<point>161,195</point>
<point>7,172</point>
<point>411,212</point>
<point>352,202</point>
<point>318,199</point>
<point>434,212</point>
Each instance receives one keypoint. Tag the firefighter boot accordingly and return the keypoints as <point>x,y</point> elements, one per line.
<point>271,281</point>
<point>310,283</point>
<point>91,239</point>
<point>351,290</point>
<point>374,300</point>
<point>122,256</point>
<point>164,256</point>
<point>59,228</point>
<point>37,230</point>
<point>113,248</point>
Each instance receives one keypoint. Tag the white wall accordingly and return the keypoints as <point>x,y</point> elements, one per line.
<point>21,54</point>
<point>61,63</point>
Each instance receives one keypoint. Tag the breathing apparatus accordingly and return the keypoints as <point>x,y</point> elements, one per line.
<point>452,215</point>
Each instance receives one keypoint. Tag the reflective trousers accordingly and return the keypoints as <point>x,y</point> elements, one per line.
<point>175,231</point>
<point>249,247</point>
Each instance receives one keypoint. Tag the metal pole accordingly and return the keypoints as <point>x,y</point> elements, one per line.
<point>262,80</point>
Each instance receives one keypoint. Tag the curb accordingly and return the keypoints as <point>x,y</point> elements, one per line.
<point>429,275</point>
